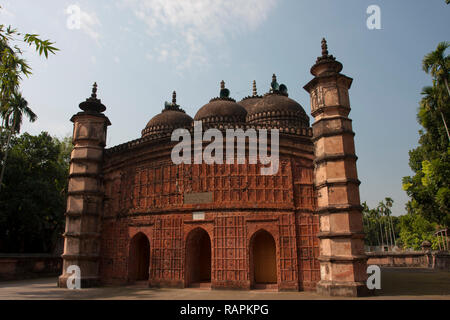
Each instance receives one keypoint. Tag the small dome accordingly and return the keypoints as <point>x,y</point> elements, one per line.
<point>277,109</point>
<point>221,110</point>
<point>171,118</point>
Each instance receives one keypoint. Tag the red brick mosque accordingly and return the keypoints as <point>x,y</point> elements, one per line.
<point>133,215</point>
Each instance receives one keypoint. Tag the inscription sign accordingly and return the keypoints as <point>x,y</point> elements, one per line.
<point>198,197</point>
<point>198,216</point>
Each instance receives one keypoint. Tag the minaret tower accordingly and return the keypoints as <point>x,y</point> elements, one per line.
<point>85,194</point>
<point>342,256</point>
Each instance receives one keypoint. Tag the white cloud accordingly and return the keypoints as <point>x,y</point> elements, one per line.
<point>79,19</point>
<point>5,13</point>
<point>196,23</point>
<point>89,24</point>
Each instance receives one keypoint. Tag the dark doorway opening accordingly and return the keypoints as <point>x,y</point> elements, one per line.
<point>263,259</point>
<point>139,261</point>
<point>198,259</point>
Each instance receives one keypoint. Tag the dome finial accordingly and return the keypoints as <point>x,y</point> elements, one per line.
<point>174,97</point>
<point>255,92</point>
<point>274,86</point>
<point>224,92</point>
<point>94,91</point>
<point>324,48</point>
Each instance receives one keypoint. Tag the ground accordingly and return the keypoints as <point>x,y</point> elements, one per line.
<point>396,283</point>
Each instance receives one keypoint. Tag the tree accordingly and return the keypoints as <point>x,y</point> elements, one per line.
<point>372,236</point>
<point>389,203</point>
<point>379,225</point>
<point>414,229</point>
<point>13,121</point>
<point>33,201</point>
<point>437,64</point>
<point>12,68</point>
<point>430,161</point>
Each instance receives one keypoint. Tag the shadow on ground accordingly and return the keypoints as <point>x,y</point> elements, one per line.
<point>413,282</point>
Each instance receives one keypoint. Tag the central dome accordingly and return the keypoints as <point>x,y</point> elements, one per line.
<point>171,118</point>
<point>221,110</point>
<point>276,108</point>
<point>249,102</point>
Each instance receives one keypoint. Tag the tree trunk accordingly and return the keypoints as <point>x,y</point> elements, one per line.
<point>390,230</point>
<point>381,234</point>
<point>442,115</point>
<point>393,231</point>
<point>6,153</point>
<point>386,232</point>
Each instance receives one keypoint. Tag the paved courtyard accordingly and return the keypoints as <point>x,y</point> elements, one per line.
<point>396,283</point>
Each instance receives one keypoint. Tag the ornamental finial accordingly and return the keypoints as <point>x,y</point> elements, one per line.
<point>174,98</point>
<point>94,91</point>
<point>222,85</point>
<point>324,48</point>
<point>255,92</point>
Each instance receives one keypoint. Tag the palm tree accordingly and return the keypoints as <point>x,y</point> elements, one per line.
<point>389,203</point>
<point>12,119</point>
<point>437,64</point>
<point>433,100</point>
<point>382,208</point>
<point>378,216</point>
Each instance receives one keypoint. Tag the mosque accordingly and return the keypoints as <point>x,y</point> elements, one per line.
<point>135,216</point>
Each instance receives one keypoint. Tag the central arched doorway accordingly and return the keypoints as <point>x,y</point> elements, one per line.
<point>198,258</point>
<point>263,259</point>
<point>139,259</point>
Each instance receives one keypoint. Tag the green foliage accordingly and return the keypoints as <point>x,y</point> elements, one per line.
<point>13,67</point>
<point>430,161</point>
<point>380,227</point>
<point>33,199</point>
<point>414,229</point>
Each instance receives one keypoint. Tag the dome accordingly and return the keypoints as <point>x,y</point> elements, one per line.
<point>249,102</point>
<point>221,110</point>
<point>276,108</point>
<point>171,118</point>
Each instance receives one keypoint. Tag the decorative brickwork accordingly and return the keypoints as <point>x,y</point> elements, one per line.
<point>221,226</point>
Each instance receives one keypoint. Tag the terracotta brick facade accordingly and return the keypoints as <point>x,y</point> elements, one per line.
<point>147,195</point>
<point>224,226</point>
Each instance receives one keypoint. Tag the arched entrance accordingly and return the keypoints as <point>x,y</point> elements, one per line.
<point>263,258</point>
<point>139,258</point>
<point>198,258</point>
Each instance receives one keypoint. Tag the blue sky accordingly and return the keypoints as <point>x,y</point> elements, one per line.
<point>140,51</point>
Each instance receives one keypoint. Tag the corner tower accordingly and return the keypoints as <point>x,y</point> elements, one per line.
<point>342,257</point>
<point>85,194</point>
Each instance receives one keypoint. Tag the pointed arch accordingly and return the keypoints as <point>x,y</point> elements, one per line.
<point>139,258</point>
<point>263,258</point>
<point>198,257</point>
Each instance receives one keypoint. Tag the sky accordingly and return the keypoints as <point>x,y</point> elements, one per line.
<point>140,51</point>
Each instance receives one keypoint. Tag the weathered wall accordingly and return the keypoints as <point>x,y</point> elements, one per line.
<point>23,266</point>
<point>145,192</point>
<point>435,260</point>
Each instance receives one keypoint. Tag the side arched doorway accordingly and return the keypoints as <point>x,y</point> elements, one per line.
<point>263,258</point>
<point>139,258</point>
<point>198,258</point>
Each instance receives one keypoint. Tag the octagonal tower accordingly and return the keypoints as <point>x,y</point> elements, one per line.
<point>342,257</point>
